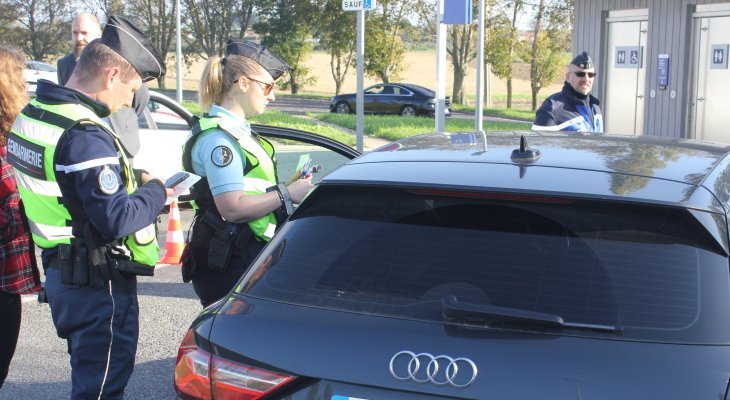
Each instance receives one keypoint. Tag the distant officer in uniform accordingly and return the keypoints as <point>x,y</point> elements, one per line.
<point>84,29</point>
<point>239,197</point>
<point>96,227</point>
<point>573,108</point>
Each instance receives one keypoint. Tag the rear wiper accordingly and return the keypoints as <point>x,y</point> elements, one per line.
<point>470,312</point>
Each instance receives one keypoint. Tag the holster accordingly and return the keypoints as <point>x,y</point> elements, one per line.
<point>74,265</point>
<point>73,261</point>
<point>213,243</point>
<point>86,262</point>
<point>222,243</point>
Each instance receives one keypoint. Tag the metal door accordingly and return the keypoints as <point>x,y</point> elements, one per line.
<point>710,113</point>
<point>625,72</point>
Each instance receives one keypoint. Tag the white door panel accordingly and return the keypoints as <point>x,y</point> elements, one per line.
<point>623,104</point>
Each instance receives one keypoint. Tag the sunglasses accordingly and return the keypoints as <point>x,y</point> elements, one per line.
<point>267,86</point>
<point>581,74</point>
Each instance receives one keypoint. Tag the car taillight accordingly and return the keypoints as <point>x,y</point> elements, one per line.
<point>238,381</point>
<point>192,370</point>
<point>202,376</point>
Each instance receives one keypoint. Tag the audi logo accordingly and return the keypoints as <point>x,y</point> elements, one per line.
<point>440,370</point>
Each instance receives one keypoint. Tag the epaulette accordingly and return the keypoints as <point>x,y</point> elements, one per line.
<point>231,129</point>
<point>88,125</point>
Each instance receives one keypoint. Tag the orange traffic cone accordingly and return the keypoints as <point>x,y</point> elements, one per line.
<point>174,242</point>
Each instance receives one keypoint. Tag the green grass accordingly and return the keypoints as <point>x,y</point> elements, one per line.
<point>305,95</point>
<point>192,106</point>
<point>526,115</point>
<point>380,126</point>
<point>396,127</point>
<point>277,118</point>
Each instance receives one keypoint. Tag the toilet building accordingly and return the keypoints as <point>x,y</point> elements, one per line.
<point>662,65</point>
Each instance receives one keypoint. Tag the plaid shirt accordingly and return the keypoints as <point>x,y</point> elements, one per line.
<point>18,270</point>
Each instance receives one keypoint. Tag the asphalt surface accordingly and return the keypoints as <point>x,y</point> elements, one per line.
<point>302,106</point>
<point>287,104</point>
<point>40,368</point>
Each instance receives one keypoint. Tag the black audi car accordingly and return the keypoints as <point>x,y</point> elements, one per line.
<point>391,98</point>
<point>446,267</point>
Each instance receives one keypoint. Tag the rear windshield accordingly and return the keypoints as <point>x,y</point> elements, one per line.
<point>652,273</point>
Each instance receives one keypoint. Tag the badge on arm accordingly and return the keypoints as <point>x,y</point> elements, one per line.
<point>221,156</point>
<point>108,181</point>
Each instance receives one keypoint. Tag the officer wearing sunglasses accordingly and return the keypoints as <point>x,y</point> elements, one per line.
<point>238,201</point>
<point>573,108</point>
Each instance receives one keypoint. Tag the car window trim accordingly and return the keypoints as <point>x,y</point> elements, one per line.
<point>179,110</point>
<point>270,131</point>
<point>305,137</point>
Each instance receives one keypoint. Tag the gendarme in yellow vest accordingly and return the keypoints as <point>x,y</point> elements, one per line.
<point>261,175</point>
<point>31,145</point>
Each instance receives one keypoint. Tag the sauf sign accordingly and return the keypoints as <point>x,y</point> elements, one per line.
<point>357,5</point>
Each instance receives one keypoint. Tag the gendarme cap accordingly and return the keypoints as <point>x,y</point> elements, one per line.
<point>126,39</point>
<point>272,63</point>
<point>583,61</point>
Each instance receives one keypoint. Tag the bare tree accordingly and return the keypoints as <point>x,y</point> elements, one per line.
<point>104,8</point>
<point>9,30</point>
<point>384,49</point>
<point>537,31</point>
<point>461,46</point>
<point>244,15</point>
<point>44,26</point>
<point>462,50</point>
<point>516,9</point>
<point>157,19</point>
<point>337,36</point>
<point>211,22</point>
<point>288,26</point>
<point>546,54</point>
<point>503,42</point>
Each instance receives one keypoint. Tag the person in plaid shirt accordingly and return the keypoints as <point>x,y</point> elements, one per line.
<point>18,271</point>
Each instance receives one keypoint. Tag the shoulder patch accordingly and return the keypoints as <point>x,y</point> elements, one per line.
<point>108,182</point>
<point>221,156</point>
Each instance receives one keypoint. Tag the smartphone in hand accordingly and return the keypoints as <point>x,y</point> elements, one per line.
<point>176,179</point>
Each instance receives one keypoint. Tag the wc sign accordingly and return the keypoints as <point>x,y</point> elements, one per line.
<point>357,5</point>
<point>718,56</point>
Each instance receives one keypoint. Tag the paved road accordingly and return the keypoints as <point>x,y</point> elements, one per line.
<point>287,104</point>
<point>40,368</point>
<point>302,106</point>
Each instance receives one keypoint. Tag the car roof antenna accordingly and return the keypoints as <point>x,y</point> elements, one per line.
<point>484,139</point>
<point>524,155</point>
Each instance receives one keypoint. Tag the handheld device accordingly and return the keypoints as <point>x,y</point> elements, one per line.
<point>176,179</point>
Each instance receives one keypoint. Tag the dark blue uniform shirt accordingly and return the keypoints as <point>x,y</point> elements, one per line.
<point>81,154</point>
<point>569,110</point>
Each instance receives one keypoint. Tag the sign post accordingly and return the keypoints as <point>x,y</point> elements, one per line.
<point>478,117</point>
<point>178,54</point>
<point>360,6</point>
<point>440,68</point>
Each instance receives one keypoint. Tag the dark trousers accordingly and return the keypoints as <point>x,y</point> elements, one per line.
<point>10,312</point>
<point>101,327</point>
<point>211,285</point>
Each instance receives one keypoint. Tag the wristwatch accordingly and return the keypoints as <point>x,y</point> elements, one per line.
<point>284,197</point>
